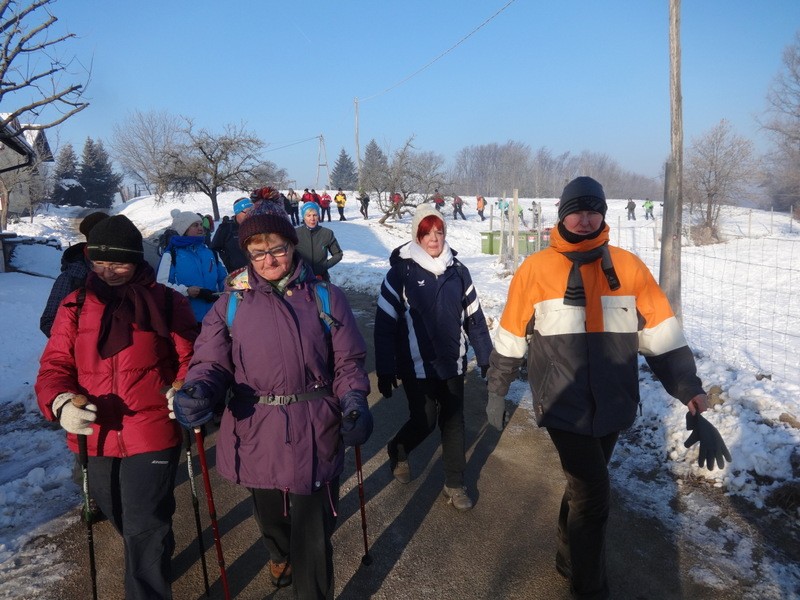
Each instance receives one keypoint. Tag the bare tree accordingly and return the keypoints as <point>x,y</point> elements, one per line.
<point>140,143</point>
<point>719,167</point>
<point>33,69</point>
<point>33,95</point>
<point>783,122</point>
<point>209,162</point>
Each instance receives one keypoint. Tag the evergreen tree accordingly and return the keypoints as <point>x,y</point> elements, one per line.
<point>97,176</point>
<point>344,174</point>
<point>66,189</point>
<point>375,169</point>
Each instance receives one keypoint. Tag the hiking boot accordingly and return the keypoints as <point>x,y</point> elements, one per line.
<point>280,573</point>
<point>457,496</point>
<point>400,468</point>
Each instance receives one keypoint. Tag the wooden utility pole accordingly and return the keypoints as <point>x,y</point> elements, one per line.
<point>670,277</point>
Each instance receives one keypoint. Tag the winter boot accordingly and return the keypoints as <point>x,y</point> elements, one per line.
<point>280,573</point>
<point>457,496</point>
<point>400,468</point>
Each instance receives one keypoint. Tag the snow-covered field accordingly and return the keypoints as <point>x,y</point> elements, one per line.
<point>651,466</point>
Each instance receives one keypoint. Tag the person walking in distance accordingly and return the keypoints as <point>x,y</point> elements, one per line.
<point>480,204</point>
<point>583,311</point>
<point>631,206</point>
<point>458,207</point>
<point>341,199</point>
<point>325,207</point>
<point>363,200</point>
<point>294,206</point>
<point>298,397</point>
<point>428,313</point>
<point>438,200</point>
<point>648,209</point>
<point>115,345</point>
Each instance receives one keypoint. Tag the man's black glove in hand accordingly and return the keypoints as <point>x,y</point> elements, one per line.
<point>207,295</point>
<point>711,444</point>
<point>496,411</point>
<point>385,385</point>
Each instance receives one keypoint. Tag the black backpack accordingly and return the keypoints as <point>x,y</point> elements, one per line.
<point>164,238</point>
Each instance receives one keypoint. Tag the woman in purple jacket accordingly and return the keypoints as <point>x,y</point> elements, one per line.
<point>299,397</point>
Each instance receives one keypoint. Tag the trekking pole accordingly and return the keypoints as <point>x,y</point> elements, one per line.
<point>187,442</point>
<point>212,512</point>
<point>83,454</point>
<point>366,559</point>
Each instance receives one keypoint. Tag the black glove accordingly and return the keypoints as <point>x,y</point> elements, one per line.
<point>207,295</point>
<point>712,445</point>
<point>356,418</point>
<point>385,385</point>
<point>496,411</point>
<point>484,371</point>
<point>194,404</point>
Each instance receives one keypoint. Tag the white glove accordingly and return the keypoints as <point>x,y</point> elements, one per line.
<point>170,394</point>
<point>72,418</point>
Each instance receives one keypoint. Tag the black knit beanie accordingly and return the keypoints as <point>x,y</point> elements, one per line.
<point>115,239</point>
<point>582,193</point>
<point>90,220</point>
<point>266,223</point>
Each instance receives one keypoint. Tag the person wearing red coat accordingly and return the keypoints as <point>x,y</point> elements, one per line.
<point>114,346</point>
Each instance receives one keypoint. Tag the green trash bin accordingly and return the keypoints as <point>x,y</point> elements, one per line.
<point>486,242</point>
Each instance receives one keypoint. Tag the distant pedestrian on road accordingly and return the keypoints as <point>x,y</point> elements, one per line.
<point>631,206</point>
<point>438,200</point>
<point>341,199</point>
<point>294,206</point>
<point>582,311</point>
<point>299,396</point>
<point>428,313</point>
<point>324,206</point>
<point>480,203</point>
<point>115,345</point>
<point>458,207</point>
<point>363,200</point>
<point>648,209</point>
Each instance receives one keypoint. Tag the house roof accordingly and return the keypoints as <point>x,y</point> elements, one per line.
<point>31,142</point>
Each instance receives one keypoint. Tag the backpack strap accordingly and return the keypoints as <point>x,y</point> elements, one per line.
<point>323,296</point>
<point>233,303</point>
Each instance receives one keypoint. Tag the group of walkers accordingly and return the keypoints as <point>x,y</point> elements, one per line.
<point>279,354</point>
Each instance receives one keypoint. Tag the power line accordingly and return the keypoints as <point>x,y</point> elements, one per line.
<point>453,47</point>
<point>316,137</point>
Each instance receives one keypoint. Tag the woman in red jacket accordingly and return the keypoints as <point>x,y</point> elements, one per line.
<point>114,345</point>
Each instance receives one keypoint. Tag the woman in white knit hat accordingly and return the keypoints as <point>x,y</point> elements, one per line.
<point>189,266</point>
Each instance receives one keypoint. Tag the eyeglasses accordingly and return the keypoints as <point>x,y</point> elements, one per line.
<point>118,268</point>
<point>276,252</point>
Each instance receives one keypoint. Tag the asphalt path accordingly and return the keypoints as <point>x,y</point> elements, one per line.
<point>420,546</point>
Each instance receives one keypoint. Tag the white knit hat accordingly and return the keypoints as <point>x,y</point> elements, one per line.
<point>425,210</point>
<point>182,220</point>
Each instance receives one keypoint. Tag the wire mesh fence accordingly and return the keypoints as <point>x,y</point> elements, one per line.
<point>740,297</point>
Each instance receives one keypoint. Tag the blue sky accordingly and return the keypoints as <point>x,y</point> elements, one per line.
<point>571,75</point>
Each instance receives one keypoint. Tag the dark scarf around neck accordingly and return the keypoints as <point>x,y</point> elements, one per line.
<point>575,294</point>
<point>137,301</point>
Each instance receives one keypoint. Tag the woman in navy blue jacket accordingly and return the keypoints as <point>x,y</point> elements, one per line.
<point>188,266</point>
<point>428,314</point>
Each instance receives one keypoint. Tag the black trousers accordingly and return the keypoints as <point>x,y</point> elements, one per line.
<point>294,215</point>
<point>298,528</point>
<point>341,213</point>
<point>432,402</point>
<point>136,494</point>
<point>584,509</point>
<point>326,210</point>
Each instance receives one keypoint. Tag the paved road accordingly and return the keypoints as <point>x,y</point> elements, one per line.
<point>421,547</point>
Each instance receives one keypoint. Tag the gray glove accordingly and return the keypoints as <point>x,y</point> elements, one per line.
<point>74,413</point>
<point>496,411</point>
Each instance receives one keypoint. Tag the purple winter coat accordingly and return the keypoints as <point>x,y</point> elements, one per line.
<point>278,345</point>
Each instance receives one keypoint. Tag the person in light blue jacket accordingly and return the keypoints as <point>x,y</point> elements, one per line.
<point>189,266</point>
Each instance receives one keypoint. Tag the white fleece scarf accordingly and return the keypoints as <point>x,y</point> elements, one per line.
<point>437,265</point>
